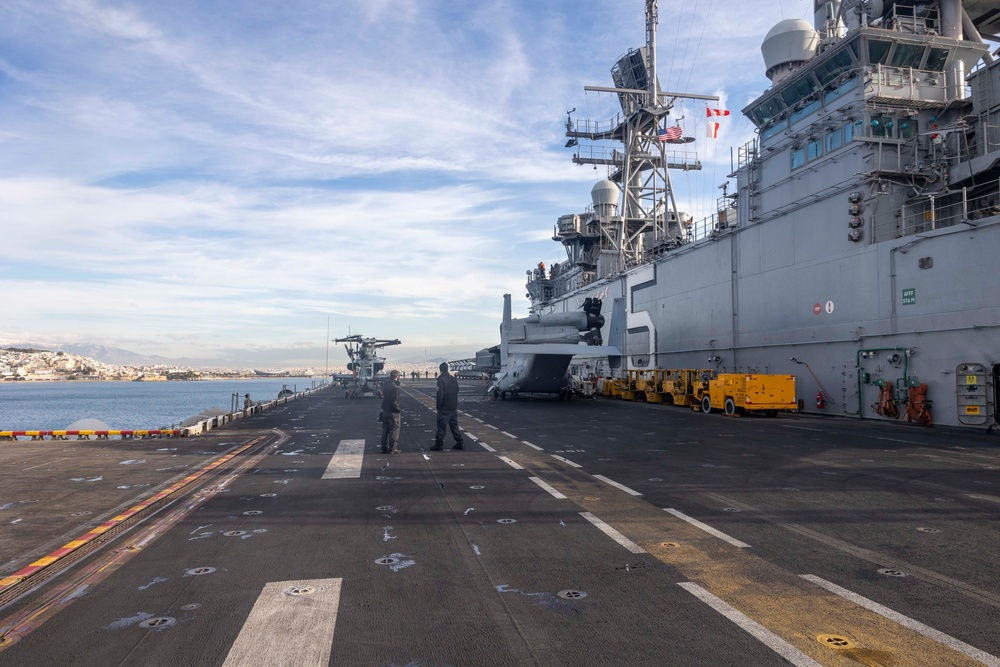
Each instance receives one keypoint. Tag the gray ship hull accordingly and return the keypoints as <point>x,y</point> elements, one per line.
<point>748,301</point>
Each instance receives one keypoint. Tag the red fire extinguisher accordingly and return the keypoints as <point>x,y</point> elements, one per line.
<point>820,403</point>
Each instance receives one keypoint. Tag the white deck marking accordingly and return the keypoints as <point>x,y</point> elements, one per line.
<point>564,460</point>
<point>478,420</point>
<point>909,442</point>
<point>288,630</point>
<point>613,534</point>
<point>486,447</point>
<point>617,485</point>
<point>548,487</point>
<point>758,631</point>
<point>512,464</point>
<point>509,435</point>
<point>493,427</point>
<point>906,621</point>
<point>47,463</point>
<point>708,529</point>
<point>346,461</point>
<point>992,499</point>
<point>803,428</point>
<point>533,446</point>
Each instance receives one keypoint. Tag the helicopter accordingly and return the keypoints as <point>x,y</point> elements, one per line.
<point>365,366</point>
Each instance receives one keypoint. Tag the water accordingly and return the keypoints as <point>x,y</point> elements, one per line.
<point>47,406</point>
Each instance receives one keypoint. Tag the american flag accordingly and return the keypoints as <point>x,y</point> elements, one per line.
<point>671,133</point>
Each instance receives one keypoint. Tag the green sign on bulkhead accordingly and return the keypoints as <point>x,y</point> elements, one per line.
<point>909,296</point>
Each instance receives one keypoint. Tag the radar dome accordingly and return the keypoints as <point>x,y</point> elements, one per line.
<point>787,46</point>
<point>605,194</point>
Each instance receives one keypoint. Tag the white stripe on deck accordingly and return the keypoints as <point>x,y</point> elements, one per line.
<point>708,529</point>
<point>486,447</point>
<point>346,461</point>
<point>512,464</point>
<point>285,630</point>
<point>613,534</point>
<point>758,631</point>
<point>533,446</point>
<point>906,621</point>
<point>509,435</point>
<point>493,427</point>
<point>565,460</point>
<point>617,485</point>
<point>548,487</point>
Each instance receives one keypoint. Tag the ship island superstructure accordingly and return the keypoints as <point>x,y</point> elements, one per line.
<point>856,245</point>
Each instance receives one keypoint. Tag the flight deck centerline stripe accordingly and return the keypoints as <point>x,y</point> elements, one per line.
<point>708,529</point>
<point>509,435</point>
<point>547,487</point>
<point>291,623</point>
<point>493,427</point>
<point>758,631</point>
<point>486,447</point>
<point>478,420</point>
<point>906,621</point>
<point>512,464</point>
<point>533,446</point>
<point>575,465</point>
<point>346,461</point>
<point>613,534</point>
<point>617,485</point>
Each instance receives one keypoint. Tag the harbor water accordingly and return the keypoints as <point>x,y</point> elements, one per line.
<point>129,405</point>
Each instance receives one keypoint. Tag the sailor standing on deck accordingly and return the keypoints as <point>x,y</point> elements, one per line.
<point>447,409</point>
<point>391,413</point>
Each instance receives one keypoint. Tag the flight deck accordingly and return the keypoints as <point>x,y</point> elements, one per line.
<point>587,532</point>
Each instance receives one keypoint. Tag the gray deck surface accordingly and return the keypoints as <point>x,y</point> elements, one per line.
<point>831,498</point>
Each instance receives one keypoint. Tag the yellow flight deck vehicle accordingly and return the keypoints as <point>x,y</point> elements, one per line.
<point>736,393</point>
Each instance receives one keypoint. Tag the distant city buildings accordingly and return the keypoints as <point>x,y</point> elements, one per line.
<point>18,364</point>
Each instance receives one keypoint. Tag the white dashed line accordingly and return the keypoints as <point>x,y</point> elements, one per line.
<point>533,446</point>
<point>346,461</point>
<point>512,464</point>
<point>617,485</point>
<point>758,631</point>
<point>613,534</point>
<point>564,460</point>
<point>478,420</point>
<point>289,628</point>
<point>548,487</point>
<point>509,435</point>
<point>487,447</point>
<point>708,529</point>
<point>493,427</point>
<point>906,621</point>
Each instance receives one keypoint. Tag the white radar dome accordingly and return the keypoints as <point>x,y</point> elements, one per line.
<point>787,46</point>
<point>605,193</point>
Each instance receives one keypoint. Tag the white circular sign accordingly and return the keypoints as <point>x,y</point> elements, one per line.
<point>829,307</point>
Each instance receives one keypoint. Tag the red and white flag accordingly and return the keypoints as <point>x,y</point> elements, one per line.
<point>712,129</point>
<point>709,112</point>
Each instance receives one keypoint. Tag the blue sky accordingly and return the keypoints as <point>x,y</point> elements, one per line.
<point>214,180</point>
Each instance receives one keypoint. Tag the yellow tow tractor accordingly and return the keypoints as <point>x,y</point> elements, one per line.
<point>737,393</point>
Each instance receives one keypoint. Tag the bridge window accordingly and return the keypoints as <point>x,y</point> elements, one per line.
<point>798,157</point>
<point>814,149</point>
<point>834,139</point>
<point>878,51</point>
<point>849,133</point>
<point>907,128</point>
<point>907,55</point>
<point>936,59</point>
<point>834,67</point>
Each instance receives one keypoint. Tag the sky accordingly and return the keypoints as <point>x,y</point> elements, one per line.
<point>220,180</point>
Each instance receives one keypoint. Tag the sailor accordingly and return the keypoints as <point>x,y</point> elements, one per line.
<point>247,404</point>
<point>391,413</point>
<point>447,409</point>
